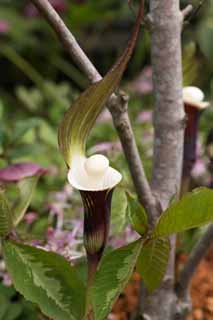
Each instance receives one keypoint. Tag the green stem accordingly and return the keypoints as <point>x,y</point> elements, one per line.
<point>23,65</point>
<point>71,71</point>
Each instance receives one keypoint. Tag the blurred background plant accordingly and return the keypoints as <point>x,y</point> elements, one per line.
<point>38,83</point>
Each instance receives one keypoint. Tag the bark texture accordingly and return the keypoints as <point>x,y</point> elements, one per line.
<point>166,19</point>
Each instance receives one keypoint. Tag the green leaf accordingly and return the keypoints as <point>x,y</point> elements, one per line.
<point>113,274</point>
<point>119,210</point>
<point>14,310</point>
<point>152,262</point>
<point>23,126</point>
<point>5,216</point>
<point>80,118</point>
<point>205,35</point>
<point>26,188</point>
<point>46,279</point>
<point>190,65</point>
<point>193,210</point>
<point>137,215</point>
<point>4,306</point>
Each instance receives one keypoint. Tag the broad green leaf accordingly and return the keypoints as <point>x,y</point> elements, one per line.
<point>80,118</point>
<point>152,262</point>
<point>113,274</point>
<point>137,215</point>
<point>26,188</point>
<point>46,279</point>
<point>193,210</point>
<point>119,210</point>
<point>5,216</point>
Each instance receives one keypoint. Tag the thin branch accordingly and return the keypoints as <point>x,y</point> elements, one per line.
<point>67,39</point>
<point>117,105</point>
<point>194,259</point>
<point>186,11</point>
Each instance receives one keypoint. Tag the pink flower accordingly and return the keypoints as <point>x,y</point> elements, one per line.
<point>199,168</point>
<point>143,83</point>
<point>30,217</point>
<point>4,26</point>
<point>105,116</point>
<point>144,116</point>
<point>105,147</point>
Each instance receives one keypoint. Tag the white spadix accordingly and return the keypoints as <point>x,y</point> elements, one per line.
<point>93,173</point>
<point>194,97</point>
<point>96,165</point>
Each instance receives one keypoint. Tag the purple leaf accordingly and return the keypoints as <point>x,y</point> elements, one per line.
<point>19,171</point>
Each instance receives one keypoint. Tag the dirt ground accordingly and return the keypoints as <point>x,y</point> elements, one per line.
<point>201,291</point>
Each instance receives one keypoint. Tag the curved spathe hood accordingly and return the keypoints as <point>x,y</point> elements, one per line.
<point>194,97</point>
<point>93,173</point>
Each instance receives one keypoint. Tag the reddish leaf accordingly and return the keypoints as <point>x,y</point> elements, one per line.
<point>19,171</point>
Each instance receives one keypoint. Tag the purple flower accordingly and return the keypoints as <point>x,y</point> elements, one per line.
<point>19,171</point>
<point>30,217</point>
<point>105,116</point>
<point>144,116</point>
<point>4,26</point>
<point>199,168</point>
<point>143,83</point>
<point>105,147</point>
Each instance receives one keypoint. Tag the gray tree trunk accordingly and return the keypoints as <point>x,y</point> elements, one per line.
<point>165,19</point>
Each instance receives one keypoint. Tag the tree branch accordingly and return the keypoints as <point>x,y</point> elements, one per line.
<point>194,259</point>
<point>186,11</point>
<point>117,106</point>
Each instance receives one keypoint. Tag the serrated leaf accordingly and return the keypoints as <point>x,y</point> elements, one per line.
<point>5,216</point>
<point>112,276</point>
<point>47,279</point>
<point>80,118</point>
<point>27,188</point>
<point>119,210</point>
<point>193,210</point>
<point>152,262</point>
<point>137,215</point>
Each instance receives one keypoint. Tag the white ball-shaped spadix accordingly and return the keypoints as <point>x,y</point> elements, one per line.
<point>194,97</point>
<point>93,173</point>
<point>96,165</point>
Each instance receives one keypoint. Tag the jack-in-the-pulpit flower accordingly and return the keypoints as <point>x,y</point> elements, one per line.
<point>93,176</point>
<point>194,103</point>
<point>95,180</point>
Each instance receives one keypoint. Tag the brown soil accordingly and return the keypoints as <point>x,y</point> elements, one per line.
<point>201,291</point>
